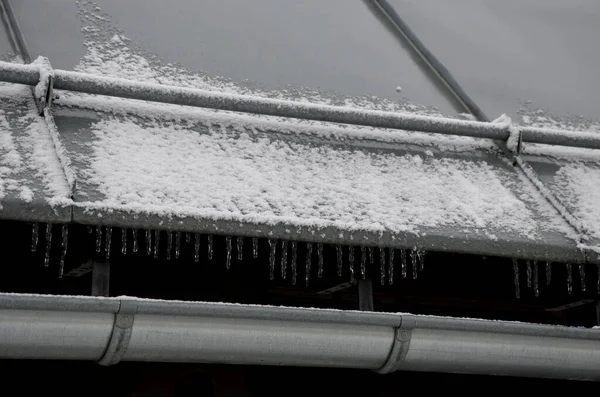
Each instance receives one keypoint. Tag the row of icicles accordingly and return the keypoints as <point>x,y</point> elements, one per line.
<point>533,279</point>
<point>386,256</point>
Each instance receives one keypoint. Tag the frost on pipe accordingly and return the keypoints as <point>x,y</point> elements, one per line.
<point>32,184</point>
<point>228,176</point>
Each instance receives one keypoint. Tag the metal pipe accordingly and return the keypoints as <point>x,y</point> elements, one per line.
<point>74,81</point>
<point>84,328</point>
<point>546,136</point>
<point>92,84</point>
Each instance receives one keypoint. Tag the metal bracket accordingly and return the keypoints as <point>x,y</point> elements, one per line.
<point>519,142</point>
<point>402,337</point>
<point>121,333</point>
<point>43,91</point>
<point>100,278</point>
<point>365,295</point>
<point>337,288</point>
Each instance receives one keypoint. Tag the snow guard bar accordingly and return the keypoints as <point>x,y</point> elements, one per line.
<point>45,79</point>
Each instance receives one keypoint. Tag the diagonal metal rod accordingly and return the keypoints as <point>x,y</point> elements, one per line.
<point>430,60</point>
<point>15,29</point>
<point>93,84</point>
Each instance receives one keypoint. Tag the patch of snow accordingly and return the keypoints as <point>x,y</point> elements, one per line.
<point>249,175</point>
<point>150,110</point>
<point>578,186</point>
<point>28,160</point>
<point>26,194</point>
<point>10,160</point>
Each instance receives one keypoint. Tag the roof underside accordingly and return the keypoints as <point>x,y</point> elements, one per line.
<point>168,167</point>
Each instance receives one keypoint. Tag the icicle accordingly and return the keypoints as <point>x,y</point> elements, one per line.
<point>169,244</point>
<point>363,262</point>
<point>240,247</point>
<point>284,258</point>
<point>134,232</point>
<point>273,248</point>
<point>340,259</point>
<point>382,265</point>
<point>309,249</point>
<point>63,254</point>
<point>229,248</point>
<point>320,255</point>
<point>188,237</point>
<point>148,242</point>
<point>177,244</point>
<point>90,229</point>
<point>197,247</point>
<point>48,244</point>
<point>209,244</point>
<point>294,262</point>
<point>528,269</point>
<point>98,238</point>
<point>413,261</point>
<point>124,241</point>
<point>516,278</point>
<point>371,256</point>
<point>569,278</point>
<point>156,242</point>
<point>351,261</point>
<point>548,273</point>
<point>403,262</point>
<point>582,276</point>
<point>421,257</point>
<point>536,287</point>
<point>108,241</point>
<point>255,247</point>
<point>34,236</point>
<point>391,267</point>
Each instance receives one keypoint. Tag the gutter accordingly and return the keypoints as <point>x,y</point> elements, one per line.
<point>109,330</point>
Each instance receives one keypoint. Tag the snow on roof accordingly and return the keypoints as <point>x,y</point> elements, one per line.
<point>29,168</point>
<point>238,170</point>
<point>168,161</point>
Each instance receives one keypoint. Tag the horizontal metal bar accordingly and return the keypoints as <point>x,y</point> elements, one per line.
<point>80,82</point>
<point>92,84</point>
<point>546,136</point>
<point>19,74</point>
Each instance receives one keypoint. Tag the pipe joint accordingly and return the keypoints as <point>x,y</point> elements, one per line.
<point>400,345</point>
<point>121,333</point>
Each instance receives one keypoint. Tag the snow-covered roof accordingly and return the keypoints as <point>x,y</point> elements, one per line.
<point>157,166</point>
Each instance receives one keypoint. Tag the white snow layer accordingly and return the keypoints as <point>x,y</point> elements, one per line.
<point>29,165</point>
<point>168,169</point>
<point>578,186</point>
